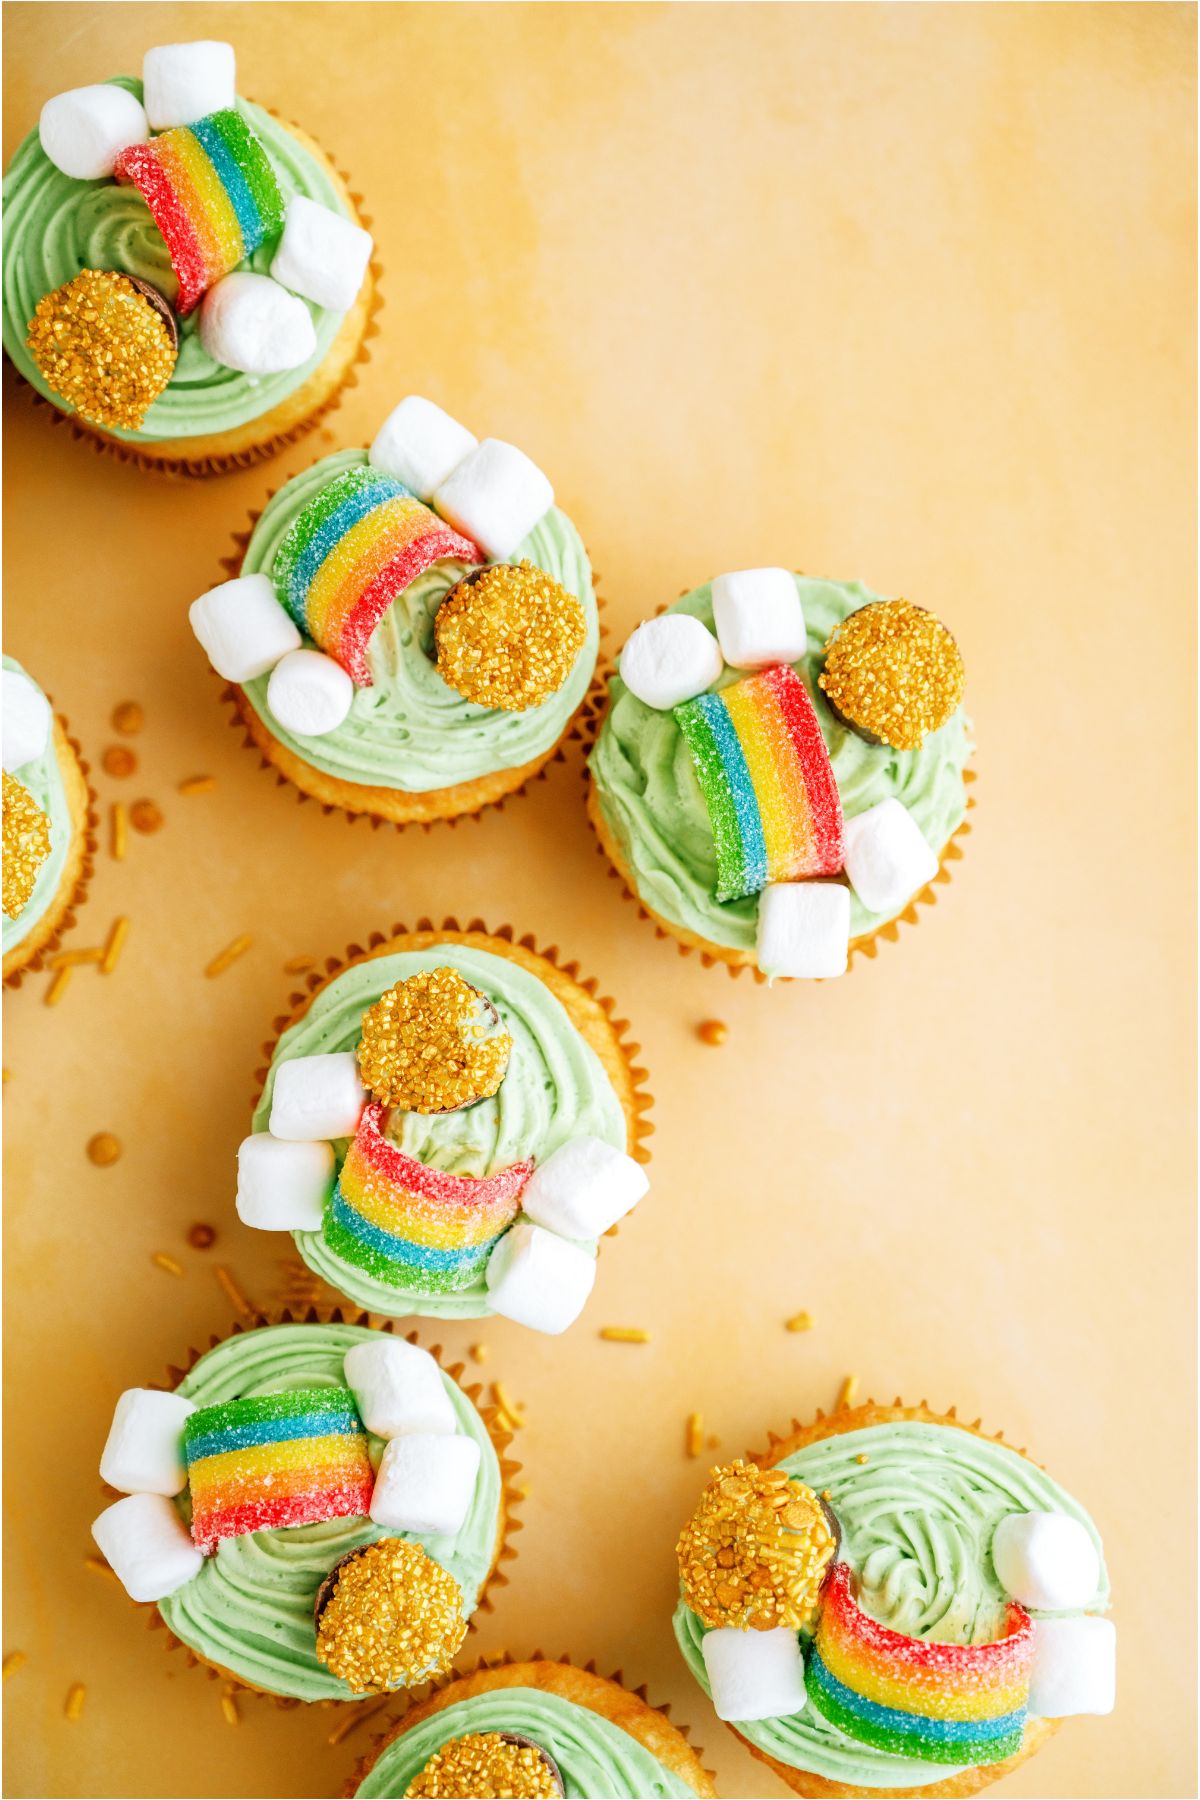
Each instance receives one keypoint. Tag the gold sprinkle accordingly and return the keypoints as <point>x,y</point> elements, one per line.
<point>229,1708</point>
<point>161,1260</point>
<point>713,1441</point>
<point>483,1765</point>
<point>755,1552</point>
<point>58,986</point>
<point>103,1149</point>
<point>145,816</point>
<point>128,718</point>
<point>846,1393</point>
<point>893,671</point>
<point>713,1031</point>
<point>862,1457</point>
<point>118,761</point>
<point>801,1321</point>
<point>429,1045</point>
<point>228,956</point>
<point>299,965</point>
<point>353,1717</point>
<point>98,1566</point>
<point>26,843</point>
<point>16,1659</point>
<point>694,1434</point>
<point>114,944</point>
<point>513,1413</point>
<point>76,1695</point>
<point>624,1334</point>
<point>478,1353</point>
<point>118,836</point>
<point>394,1617</point>
<point>72,959</point>
<point>508,636</point>
<point>202,1237</point>
<point>233,1293</point>
<point>197,784</point>
<point>104,347</point>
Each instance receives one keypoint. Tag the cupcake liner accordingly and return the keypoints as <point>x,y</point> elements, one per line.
<point>53,926</point>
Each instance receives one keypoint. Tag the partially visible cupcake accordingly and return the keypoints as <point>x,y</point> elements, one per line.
<point>533,1730</point>
<point>48,824</point>
<point>315,1508</point>
<point>192,299</point>
<point>781,770</point>
<point>410,629</point>
<point>890,1601</point>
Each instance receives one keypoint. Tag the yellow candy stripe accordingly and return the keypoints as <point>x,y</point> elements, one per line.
<point>925,1693</point>
<point>190,199</point>
<point>354,562</point>
<point>771,761</point>
<point>290,1466</point>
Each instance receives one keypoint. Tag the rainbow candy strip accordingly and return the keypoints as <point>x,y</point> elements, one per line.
<point>275,1459</point>
<point>213,194</point>
<point>353,548</point>
<point>410,1225</point>
<point>767,782</point>
<point>948,1703</point>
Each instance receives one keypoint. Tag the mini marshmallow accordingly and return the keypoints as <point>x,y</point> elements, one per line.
<point>147,1546</point>
<point>1046,1560</point>
<point>420,445</point>
<point>495,496</point>
<point>804,929</point>
<point>398,1389</point>
<point>248,322</point>
<point>583,1188</point>
<point>84,130</point>
<point>426,1483</point>
<point>669,660</point>
<point>144,1451</point>
<point>186,82</point>
<point>309,693</point>
<point>1074,1666</point>
<point>25,720</point>
<point>539,1279</point>
<point>317,1097</point>
<point>754,1674</point>
<point>283,1182</point>
<point>242,628</point>
<point>322,254</point>
<point>759,618</point>
<point>887,858</point>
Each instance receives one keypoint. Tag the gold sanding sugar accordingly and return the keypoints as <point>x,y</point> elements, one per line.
<point>755,1551</point>
<point>426,1045</point>
<point>394,1618</point>
<point>508,636</point>
<point>483,1766</point>
<point>26,833</point>
<point>893,670</point>
<point>103,347</point>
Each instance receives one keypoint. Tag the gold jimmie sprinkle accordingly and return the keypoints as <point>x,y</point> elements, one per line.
<point>394,1618</point>
<point>893,672</point>
<point>482,1766</point>
<point>26,833</point>
<point>426,1044</point>
<point>755,1551</point>
<point>508,636</point>
<point>104,347</point>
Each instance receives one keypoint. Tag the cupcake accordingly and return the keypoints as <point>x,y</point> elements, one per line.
<point>528,1730</point>
<point>316,1509</point>
<point>890,1601</point>
<point>48,824</point>
<point>410,629</point>
<point>448,1123</point>
<point>780,773</point>
<point>185,277</point>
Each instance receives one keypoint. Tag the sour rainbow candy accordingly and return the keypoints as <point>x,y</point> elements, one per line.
<point>767,782</point>
<point>354,547</point>
<point>949,1703</point>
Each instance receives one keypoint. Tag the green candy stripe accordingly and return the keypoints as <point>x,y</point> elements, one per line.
<point>718,797</point>
<point>957,1751</point>
<point>251,158</point>
<point>264,1408</point>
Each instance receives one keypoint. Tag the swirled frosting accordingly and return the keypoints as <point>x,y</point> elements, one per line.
<point>647,790</point>
<point>555,1089</point>
<point>54,227</point>
<point>410,730</point>
<point>250,1609</point>
<point>917,1520</point>
<point>43,778</point>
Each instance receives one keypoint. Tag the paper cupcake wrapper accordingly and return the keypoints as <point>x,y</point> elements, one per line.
<point>66,919</point>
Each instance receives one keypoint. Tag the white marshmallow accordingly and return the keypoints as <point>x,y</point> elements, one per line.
<point>317,1097</point>
<point>398,1389</point>
<point>185,82</point>
<point>144,1451</point>
<point>420,445</point>
<point>583,1188</point>
<point>322,254</point>
<point>539,1279</point>
<point>84,130</point>
<point>309,693</point>
<point>804,929</point>
<point>669,660</point>
<point>426,1483</point>
<point>754,1674</point>
<point>1046,1560</point>
<point>248,322</point>
<point>887,858</point>
<point>759,618</point>
<point>495,496</point>
<point>147,1546</point>
<point>242,628</point>
<point>283,1182</point>
<point>1074,1666</point>
<point>25,720</point>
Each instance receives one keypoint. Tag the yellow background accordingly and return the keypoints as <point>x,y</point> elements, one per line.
<point>901,293</point>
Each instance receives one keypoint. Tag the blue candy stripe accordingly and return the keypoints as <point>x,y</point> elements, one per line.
<point>326,538</point>
<point>741,788</point>
<point>398,1249</point>
<point>890,1718</point>
<point>231,179</point>
<point>272,1431</point>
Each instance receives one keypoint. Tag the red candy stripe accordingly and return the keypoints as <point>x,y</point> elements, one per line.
<point>343,1502</point>
<point>1009,1654</point>
<point>820,784</point>
<point>417,1178</point>
<point>140,166</point>
<point>391,580</point>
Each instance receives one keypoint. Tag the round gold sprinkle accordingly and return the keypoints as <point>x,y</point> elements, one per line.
<point>103,1149</point>
<point>508,636</point>
<point>893,672</point>
<point>756,1550</point>
<point>104,346</point>
<point>26,832</point>
<point>486,1765</point>
<point>393,1618</point>
<point>428,1045</point>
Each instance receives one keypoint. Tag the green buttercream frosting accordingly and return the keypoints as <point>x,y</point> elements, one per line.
<point>650,797</point>
<point>54,227</point>
<point>409,730</point>
<point>43,778</point>
<point>596,1759</point>
<point>917,1520</point>
<point>555,1089</point>
<point>250,1608</point>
